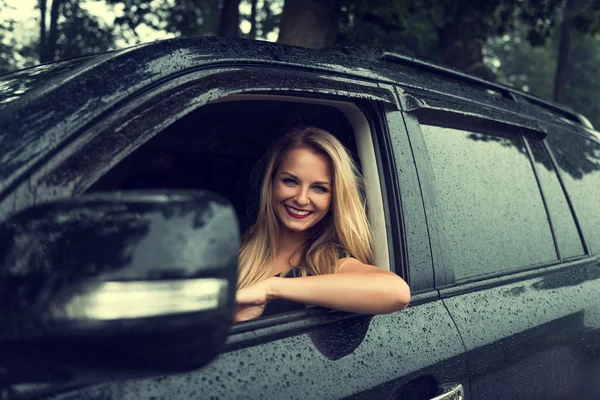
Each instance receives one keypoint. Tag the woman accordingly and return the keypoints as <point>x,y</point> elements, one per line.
<point>312,226</point>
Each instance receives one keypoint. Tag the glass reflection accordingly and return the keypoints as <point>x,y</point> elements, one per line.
<point>493,212</point>
<point>579,161</point>
<point>565,230</point>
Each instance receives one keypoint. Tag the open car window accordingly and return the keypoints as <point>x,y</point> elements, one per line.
<point>220,147</point>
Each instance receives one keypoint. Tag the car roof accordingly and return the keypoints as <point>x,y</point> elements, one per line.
<point>41,107</point>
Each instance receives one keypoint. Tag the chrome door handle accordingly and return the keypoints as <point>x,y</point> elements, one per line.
<point>450,391</point>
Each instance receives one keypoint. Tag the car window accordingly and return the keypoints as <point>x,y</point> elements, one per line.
<point>493,212</point>
<point>565,230</point>
<point>579,163</point>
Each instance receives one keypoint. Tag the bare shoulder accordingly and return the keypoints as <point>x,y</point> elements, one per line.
<point>349,264</point>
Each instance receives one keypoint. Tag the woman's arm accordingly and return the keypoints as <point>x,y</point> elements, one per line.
<point>356,288</point>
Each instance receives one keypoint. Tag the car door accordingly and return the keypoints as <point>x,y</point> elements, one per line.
<point>520,281</point>
<point>313,353</point>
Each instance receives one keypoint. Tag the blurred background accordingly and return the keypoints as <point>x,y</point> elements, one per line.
<point>550,48</point>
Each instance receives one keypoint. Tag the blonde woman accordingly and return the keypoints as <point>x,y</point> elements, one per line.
<point>312,226</point>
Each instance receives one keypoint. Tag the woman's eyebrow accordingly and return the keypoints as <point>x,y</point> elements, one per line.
<point>296,178</point>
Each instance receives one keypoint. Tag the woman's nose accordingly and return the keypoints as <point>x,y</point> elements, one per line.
<point>302,197</point>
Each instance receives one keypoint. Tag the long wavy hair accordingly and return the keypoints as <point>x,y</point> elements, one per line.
<point>345,228</point>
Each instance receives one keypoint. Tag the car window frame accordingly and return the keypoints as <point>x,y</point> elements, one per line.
<point>191,93</point>
<point>555,170</point>
<point>469,120</point>
<point>572,204</point>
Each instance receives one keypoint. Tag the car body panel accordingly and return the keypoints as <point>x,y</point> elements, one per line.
<point>537,337</point>
<point>336,360</point>
<point>530,332</point>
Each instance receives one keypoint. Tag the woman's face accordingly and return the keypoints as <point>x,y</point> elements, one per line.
<point>302,189</point>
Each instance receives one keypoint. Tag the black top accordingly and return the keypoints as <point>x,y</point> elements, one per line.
<point>281,306</point>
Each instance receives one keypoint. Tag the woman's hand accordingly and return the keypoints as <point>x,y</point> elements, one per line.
<point>356,288</point>
<point>251,301</point>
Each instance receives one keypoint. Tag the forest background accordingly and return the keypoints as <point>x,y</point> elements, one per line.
<point>550,48</point>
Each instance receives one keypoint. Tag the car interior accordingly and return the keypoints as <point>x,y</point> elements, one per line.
<point>220,146</point>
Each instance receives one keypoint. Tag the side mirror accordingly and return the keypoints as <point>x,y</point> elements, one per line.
<point>116,285</point>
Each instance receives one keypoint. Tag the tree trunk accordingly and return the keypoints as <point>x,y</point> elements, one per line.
<point>309,23</point>
<point>461,52</point>
<point>49,51</point>
<point>230,18</point>
<point>42,4</point>
<point>562,63</point>
<point>253,20</point>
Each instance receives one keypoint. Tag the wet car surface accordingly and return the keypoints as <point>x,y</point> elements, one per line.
<point>489,202</point>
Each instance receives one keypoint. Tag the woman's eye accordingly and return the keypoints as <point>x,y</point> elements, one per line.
<point>320,189</point>
<point>289,181</point>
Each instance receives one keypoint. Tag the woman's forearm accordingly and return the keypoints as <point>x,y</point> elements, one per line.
<point>362,292</point>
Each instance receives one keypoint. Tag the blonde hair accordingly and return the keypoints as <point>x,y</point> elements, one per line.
<point>344,229</point>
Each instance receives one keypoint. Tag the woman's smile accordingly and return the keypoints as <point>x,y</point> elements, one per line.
<point>296,213</point>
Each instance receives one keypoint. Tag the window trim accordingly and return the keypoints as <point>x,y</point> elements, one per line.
<point>443,271</point>
<point>443,268</point>
<point>532,162</point>
<point>365,136</point>
<point>584,243</point>
<point>514,275</point>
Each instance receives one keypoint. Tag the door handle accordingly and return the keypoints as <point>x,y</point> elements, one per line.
<point>450,391</point>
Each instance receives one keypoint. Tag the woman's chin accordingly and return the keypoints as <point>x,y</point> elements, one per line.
<point>296,226</point>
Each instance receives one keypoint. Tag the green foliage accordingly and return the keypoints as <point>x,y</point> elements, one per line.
<point>478,19</point>
<point>583,82</point>
<point>445,31</point>
<point>268,17</point>
<point>80,33</point>
<point>521,36</point>
<point>516,62</point>
<point>387,24</point>
<point>181,17</point>
<point>7,43</point>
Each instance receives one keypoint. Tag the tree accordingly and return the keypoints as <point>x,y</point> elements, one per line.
<point>43,6</point>
<point>263,17</point>
<point>49,38</point>
<point>449,32</point>
<point>516,62</point>
<point>230,18</point>
<point>309,23</point>
<point>582,86</point>
<point>253,19</point>
<point>563,52</point>
<point>582,16</point>
<point>388,25</point>
<point>7,43</point>
<point>72,31</point>
<point>181,17</point>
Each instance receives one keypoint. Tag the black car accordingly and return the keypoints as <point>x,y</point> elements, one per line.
<point>126,179</point>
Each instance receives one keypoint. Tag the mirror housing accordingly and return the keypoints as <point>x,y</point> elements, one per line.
<point>116,285</point>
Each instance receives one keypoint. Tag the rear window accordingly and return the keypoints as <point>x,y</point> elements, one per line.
<point>494,215</point>
<point>565,230</point>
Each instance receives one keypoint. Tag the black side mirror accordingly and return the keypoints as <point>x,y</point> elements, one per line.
<point>116,285</point>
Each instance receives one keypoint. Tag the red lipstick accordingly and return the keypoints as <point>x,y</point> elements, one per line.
<point>297,216</point>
